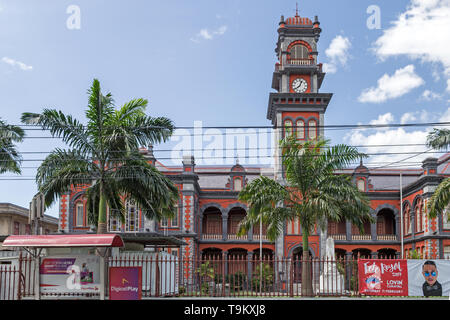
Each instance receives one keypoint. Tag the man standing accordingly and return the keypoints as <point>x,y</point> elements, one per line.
<point>431,286</point>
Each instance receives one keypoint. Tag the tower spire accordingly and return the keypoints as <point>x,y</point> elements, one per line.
<point>296,9</point>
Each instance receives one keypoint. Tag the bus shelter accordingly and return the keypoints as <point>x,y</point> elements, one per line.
<point>73,264</point>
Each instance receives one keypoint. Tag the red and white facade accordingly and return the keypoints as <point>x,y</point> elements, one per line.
<point>208,209</point>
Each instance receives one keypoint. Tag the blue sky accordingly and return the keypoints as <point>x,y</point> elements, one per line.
<point>212,61</point>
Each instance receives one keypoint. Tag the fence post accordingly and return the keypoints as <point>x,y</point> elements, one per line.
<point>157,276</point>
<point>19,289</point>
<point>291,277</point>
<point>102,278</point>
<point>37,280</point>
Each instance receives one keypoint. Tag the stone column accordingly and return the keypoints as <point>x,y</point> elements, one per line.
<point>373,230</point>
<point>200,226</point>
<point>348,229</point>
<point>224,226</point>
<point>250,233</point>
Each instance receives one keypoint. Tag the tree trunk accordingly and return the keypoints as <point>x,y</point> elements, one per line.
<point>306,266</point>
<point>102,215</point>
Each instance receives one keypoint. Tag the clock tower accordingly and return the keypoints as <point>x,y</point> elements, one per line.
<point>297,108</point>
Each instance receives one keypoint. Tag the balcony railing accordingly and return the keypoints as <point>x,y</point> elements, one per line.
<point>301,62</point>
<point>212,236</point>
<point>257,237</point>
<point>235,237</point>
<point>360,237</point>
<point>386,237</point>
<point>338,236</point>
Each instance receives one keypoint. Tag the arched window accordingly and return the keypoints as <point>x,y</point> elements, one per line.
<point>299,51</point>
<point>407,217</point>
<point>361,185</point>
<point>293,226</point>
<point>237,184</point>
<point>419,216</point>
<point>300,129</point>
<point>288,128</point>
<point>312,129</point>
<point>79,214</point>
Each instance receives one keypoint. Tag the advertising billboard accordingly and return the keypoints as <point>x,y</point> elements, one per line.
<point>125,283</point>
<point>70,274</point>
<point>400,277</point>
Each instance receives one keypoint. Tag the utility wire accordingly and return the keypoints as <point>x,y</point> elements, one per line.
<point>248,156</point>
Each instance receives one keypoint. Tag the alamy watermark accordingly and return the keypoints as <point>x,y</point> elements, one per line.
<point>374,20</point>
<point>73,22</point>
<point>213,146</point>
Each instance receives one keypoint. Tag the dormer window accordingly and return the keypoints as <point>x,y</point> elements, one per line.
<point>237,184</point>
<point>361,185</point>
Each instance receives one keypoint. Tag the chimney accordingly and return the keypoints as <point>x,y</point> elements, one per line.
<point>188,163</point>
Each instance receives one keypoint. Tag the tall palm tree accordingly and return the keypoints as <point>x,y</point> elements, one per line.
<point>104,156</point>
<point>9,157</point>
<point>312,193</point>
<point>439,139</point>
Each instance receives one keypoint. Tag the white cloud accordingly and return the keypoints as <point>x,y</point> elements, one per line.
<point>421,32</point>
<point>337,53</point>
<point>383,119</point>
<point>207,34</point>
<point>448,85</point>
<point>15,63</point>
<point>399,143</point>
<point>408,117</point>
<point>389,87</point>
<point>430,95</point>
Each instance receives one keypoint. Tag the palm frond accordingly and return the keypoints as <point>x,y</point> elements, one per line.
<point>440,199</point>
<point>439,139</point>
<point>10,159</point>
<point>62,126</point>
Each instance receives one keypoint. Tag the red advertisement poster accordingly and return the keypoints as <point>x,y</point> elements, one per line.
<point>384,277</point>
<point>125,283</point>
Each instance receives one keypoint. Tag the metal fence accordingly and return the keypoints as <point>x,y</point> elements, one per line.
<point>164,275</point>
<point>238,276</point>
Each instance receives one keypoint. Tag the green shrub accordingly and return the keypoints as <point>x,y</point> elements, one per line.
<point>266,280</point>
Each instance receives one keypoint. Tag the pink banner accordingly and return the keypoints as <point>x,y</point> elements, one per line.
<point>385,277</point>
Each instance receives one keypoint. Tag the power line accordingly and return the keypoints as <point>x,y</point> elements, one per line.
<point>335,126</point>
<point>249,148</point>
<point>245,156</point>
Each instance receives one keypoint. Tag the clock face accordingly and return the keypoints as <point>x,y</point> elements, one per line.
<point>299,85</point>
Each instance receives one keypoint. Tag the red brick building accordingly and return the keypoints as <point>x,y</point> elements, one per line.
<point>208,210</point>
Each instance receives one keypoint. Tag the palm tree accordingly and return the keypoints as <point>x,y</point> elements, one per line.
<point>439,139</point>
<point>9,157</point>
<point>312,193</point>
<point>104,157</point>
